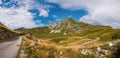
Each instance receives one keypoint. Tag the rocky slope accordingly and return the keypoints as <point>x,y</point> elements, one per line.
<point>6,33</point>
<point>69,25</point>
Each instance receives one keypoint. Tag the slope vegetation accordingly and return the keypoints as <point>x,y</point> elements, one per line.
<point>69,27</point>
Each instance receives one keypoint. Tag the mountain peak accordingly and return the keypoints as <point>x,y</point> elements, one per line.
<point>69,25</point>
<point>68,20</point>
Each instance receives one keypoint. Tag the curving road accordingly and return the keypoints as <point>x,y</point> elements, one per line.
<point>10,49</point>
<point>89,42</point>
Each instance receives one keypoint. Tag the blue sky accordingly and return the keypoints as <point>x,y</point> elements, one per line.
<point>56,13</point>
<point>43,12</point>
<point>36,13</point>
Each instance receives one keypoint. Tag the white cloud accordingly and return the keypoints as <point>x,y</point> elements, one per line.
<point>16,17</point>
<point>104,12</point>
<point>43,13</point>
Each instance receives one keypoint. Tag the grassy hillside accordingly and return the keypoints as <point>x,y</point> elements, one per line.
<point>68,48</point>
<point>105,33</point>
<point>70,39</point>
<point>73,28</point>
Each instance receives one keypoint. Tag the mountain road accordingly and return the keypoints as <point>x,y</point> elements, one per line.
<point>9,49</point>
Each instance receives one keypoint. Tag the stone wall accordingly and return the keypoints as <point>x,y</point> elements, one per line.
<point>6,34</point>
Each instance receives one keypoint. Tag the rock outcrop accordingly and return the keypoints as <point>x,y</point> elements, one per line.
<point>6,33</point>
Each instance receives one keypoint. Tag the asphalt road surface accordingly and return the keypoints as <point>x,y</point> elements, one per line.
<point>10,49</point>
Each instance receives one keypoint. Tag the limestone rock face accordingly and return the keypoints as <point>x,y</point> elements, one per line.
<point>68,26</point>
<point>52,25</point>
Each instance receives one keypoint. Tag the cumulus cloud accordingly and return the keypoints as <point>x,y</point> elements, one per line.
<point>104,12</point>
<point>17,15</point>
<point>43,13</point>
<point>16,18</point>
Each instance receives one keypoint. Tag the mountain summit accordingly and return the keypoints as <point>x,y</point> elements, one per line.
<point>69,26</point>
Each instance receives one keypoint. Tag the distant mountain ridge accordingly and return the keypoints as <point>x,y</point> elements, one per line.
<point>71,27</point>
